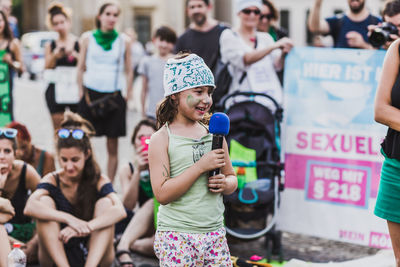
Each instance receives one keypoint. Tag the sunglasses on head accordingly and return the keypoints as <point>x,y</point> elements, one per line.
<point>8,132</point>
<point>254,11</point>
<point>266,16</point>
<point>77,134</point>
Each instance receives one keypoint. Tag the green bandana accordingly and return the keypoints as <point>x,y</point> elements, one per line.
<point>105,39</point>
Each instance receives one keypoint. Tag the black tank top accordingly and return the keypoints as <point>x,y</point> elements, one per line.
<point>19,199</point>
<point>391,144</point>
<point>65,60</point>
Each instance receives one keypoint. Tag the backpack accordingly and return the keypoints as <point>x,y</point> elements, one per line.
<point>223,80</point>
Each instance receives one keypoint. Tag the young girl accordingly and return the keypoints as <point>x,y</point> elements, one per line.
<point>190,219</point>
<point>76,206</point>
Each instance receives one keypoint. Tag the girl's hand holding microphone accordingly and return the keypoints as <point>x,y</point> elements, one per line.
<point>217,183</point>
<point>212,160</point>
<point>215,159</point>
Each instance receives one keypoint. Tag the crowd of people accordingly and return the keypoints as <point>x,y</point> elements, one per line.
<point>168,207</point>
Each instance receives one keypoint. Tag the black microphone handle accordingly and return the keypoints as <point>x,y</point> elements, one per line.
<point>217,142</point>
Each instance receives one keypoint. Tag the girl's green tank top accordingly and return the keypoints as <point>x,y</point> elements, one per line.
<point>198,210</point>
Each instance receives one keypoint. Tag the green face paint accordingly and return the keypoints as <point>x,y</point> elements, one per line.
<point>191,101</point>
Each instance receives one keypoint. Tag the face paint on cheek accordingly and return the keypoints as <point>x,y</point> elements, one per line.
<point>191,101</point>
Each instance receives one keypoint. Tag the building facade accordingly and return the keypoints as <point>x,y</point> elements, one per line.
<point>146,15</point>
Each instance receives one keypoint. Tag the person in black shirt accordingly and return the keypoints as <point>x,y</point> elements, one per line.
<point>202,36</point>
<point>387,112</point>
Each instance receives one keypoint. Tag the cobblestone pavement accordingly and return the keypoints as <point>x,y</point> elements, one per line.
<point>305,248</point>
<point>295,246</point>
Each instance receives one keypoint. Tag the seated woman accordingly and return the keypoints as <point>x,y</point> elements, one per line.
<point>40,159</point>
<point>135,183</point>
<point>75,207</point>
<point>16,180</point>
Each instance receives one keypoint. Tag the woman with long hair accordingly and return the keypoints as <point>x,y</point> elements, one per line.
<point>253,57</point>
<point>75,207</point>
<point>17,178</point>
<point>10,53</point>
<point>103,58</point>
<point>62,52</point>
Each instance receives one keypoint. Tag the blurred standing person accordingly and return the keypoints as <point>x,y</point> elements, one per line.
<point>102,60</point>
<point>268,21</point>
<point>137,50</point>
<point>151,68</point>
<point>40,159</point>
<point>253,57</point>
<point>10,53</point>
<point>6,6</point>
<point>61,52</point>
<point>202,36</point>
<point>349,30</point>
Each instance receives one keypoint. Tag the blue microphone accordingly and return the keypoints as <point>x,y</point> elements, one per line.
<point>218,127</point>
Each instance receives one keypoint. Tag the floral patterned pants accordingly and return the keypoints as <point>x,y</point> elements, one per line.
<point>183,249</point>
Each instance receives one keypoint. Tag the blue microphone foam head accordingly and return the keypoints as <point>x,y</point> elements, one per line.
<point>219,123</point>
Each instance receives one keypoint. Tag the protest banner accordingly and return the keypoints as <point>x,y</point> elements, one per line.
<point>332,145</point>
<point>5,97</point>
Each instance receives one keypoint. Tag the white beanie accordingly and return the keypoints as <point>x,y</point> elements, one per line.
<point>243,4</point>
<point>186,73</point>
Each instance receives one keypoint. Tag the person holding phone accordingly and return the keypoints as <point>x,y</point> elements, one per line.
<point>145,140</point>
<point>59,55</point>
<point>135,183</point>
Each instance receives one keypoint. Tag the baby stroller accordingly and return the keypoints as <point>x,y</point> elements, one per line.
<point>254,144</point>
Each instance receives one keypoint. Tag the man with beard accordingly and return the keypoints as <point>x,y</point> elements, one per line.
<point>202,36</point>
<point>349,30</point>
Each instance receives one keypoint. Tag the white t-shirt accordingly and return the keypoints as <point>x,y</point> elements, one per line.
<point>261,76</point>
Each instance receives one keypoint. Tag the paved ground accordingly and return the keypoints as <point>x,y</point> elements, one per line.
<point>295,246</point>
<point>30,109</point>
